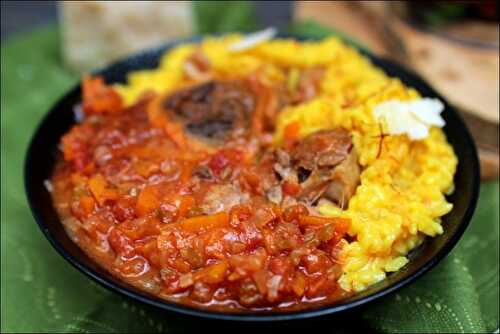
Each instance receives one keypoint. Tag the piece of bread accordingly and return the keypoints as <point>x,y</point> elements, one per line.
<point>94,33</point>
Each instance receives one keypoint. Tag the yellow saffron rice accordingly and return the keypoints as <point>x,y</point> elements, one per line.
<point>401,196</point>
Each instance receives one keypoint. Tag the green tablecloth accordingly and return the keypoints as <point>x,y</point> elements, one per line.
<point>40,292</point>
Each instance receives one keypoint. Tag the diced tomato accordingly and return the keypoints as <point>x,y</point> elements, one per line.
<point>239,213</point>
<point>225,158</point>
<point>316,262</point>
<point>124,209</point>
<point>291,188</point>
<point>120,243</point>
<point>247,264</point>
<point>218,162</point>
<point>250,181</point>
<point>294,212</point>
<point>75,146</point>
<point>139,183</point>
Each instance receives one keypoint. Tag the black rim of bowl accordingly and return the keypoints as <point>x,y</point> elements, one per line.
<point>395,71</point>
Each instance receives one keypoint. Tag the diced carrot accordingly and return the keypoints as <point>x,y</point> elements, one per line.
<point>146,168</point>
<point>322,221</point>
<point>291,133</point>
<point>141,228</point>
<point>150,251</point>
<point>87,203</point>
<point>200,223</point>
<point>78,179</point>
<point>299,284</point>
<point>212,274</point>
<point>341,228</point>
<point>181,265</point>
<point>186,203</point>
<point>98,187</point>
<point>147,201</point>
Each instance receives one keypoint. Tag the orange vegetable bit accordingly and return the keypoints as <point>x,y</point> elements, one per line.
<point>87,204</point>
<point>212,274</point>
<point>186,203</point>
<point>151,252</point>
<point>98,186</point>
<point>290,188</point>
<point>340,223</point>
<point>299,284</point>
<point>99,97</point>
<point>200,223</point>
<point>291,133</point>
<point>148,201</point>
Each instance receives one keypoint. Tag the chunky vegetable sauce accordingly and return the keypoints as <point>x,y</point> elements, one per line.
<point>186,197</point>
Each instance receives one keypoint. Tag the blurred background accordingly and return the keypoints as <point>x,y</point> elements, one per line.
<point>452,44</point>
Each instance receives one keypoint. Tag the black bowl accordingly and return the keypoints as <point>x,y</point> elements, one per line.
<point>41,158</point>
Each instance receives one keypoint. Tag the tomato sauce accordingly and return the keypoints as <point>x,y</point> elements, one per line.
<point>162,203</point>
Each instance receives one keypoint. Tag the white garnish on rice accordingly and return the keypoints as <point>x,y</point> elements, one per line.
<point>413,118</point>
<point>253,39</point>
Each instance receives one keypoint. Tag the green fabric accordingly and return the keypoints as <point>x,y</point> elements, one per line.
<point>40,292</point>
<point>238,16</point>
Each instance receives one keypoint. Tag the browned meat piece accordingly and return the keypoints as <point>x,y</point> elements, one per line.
<point>325,148</point>
<point>337,183</point>
<point>344,180</point>
<point>326,165</point>
<point>215,109</point>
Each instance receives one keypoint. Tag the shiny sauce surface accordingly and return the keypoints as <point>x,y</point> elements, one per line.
<point>186,197</point>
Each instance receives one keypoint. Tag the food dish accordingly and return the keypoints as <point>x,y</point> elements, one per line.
<point>294,141</point>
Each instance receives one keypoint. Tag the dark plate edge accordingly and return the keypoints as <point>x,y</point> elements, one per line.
<point>259,317</point>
